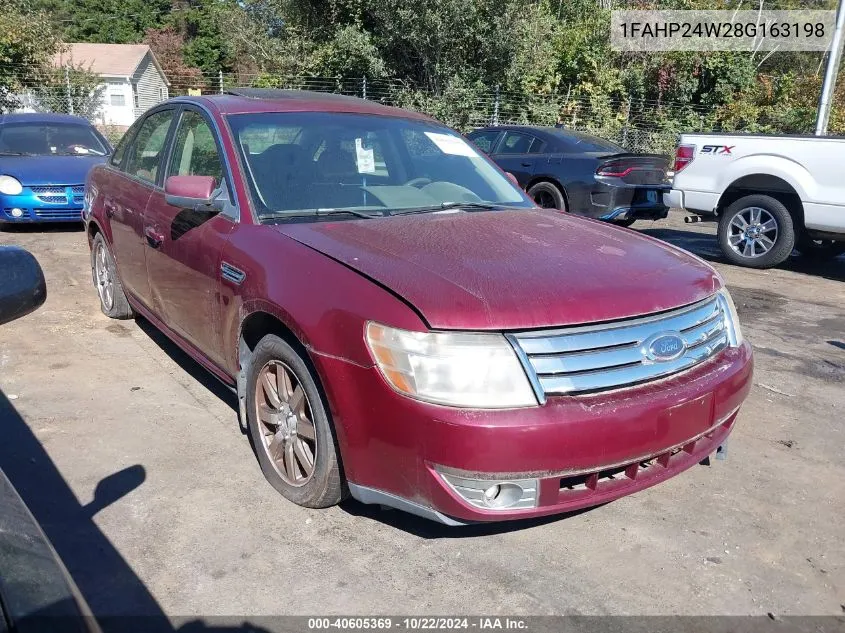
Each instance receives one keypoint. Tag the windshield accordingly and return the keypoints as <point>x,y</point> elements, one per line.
<point>580,142</point>
<point>309,162</point>
<point>50,139</point>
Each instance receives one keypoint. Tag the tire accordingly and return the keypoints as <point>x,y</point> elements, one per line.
<point>113,301</point>
<point>773,236</point>
<point>275,430</point>
<point>625,223</point>
<point>548,196</point>
<point>819,249</point>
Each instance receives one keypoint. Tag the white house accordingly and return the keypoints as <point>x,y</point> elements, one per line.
<point>133,78</point>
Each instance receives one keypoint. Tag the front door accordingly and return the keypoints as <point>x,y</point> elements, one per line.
<point>128,196</point>
<point>184,246</point>
<point>517,153</point>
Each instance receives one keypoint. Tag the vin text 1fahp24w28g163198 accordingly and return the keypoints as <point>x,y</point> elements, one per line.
<point>400,321</point>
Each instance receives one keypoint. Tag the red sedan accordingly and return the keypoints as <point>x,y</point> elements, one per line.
<point>399,321</point>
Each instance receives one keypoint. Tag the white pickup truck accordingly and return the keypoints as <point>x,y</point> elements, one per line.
<point>770,194</point>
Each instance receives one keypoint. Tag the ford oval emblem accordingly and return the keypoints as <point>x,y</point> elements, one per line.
<point>663,347</point>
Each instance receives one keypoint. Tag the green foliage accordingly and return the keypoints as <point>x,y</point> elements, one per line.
<point>72,90</point>
<point>27,45</point>
<point>549,60</point>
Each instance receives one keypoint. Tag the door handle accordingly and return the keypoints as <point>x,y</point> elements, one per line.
<point>154,238</point>
<point>526,164</point>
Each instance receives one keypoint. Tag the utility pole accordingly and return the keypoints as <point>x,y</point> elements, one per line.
<point>68,91</point>
<point>829,86</point>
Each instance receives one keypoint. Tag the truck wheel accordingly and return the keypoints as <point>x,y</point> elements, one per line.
<point>113,301</point>
<point>289,426</point>
<point>756,231</point>
<point>548,196</point>
<point>820,249</point>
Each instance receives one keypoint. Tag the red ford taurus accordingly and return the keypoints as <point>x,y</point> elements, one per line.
<point>399,321</point>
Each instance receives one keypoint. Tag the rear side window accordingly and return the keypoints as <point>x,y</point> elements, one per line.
<point>519,143</point>
<point>147,149</point>
<point>195,150</point>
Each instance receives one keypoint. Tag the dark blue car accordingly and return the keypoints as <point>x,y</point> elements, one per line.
<point>44,159</point>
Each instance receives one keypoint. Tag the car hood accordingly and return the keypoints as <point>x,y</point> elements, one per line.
<point>48,170</point>
<point>513,269</point>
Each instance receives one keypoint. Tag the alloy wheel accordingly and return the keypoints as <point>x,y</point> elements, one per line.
<point>286,425</point>
<point>752,232</point>
<point>102,274</point>
<point>545,200</point>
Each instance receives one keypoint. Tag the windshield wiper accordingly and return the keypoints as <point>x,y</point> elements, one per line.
<point>444,206</point>
<point>16,154</point>
<point>307,213</point>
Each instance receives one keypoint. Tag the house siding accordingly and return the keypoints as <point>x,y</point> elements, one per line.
<point>149,86</point>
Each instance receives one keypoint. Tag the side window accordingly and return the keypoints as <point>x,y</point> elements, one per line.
<point>148,147</point>
<point>122,144</point>
<point>536,146</point>
<point>516,143</point>
<point>195,150</point>
<point>485,140</point>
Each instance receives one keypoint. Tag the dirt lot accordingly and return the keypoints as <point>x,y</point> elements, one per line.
<point>187,526</point>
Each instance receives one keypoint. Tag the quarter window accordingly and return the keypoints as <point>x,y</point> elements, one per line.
<point>147,151</point>
<point>195,150</point>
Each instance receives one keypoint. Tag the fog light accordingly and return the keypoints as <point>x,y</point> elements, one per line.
<point>491,493</point>
<point>17,213</point>
<point>511,494</point>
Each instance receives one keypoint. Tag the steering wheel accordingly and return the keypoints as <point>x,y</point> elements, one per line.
<point>418,182</point>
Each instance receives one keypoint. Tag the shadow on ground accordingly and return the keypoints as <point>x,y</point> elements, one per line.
<point>42,227</point>
<point>705,246</point>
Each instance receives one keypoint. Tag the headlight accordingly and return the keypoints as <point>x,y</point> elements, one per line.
<point>10,186</point>
<point>458,369</point>
<point>735,337</point>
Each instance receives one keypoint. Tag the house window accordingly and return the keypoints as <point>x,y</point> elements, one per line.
<point>135,96</point>
<point>160,93</point>
<point>116,95</point>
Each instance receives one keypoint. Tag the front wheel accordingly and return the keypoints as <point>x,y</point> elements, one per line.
<point>756,231</point>
<point>289,426</point>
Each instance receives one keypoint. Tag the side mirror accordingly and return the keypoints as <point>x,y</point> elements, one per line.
<point>23,288</point>
<point>190,192</point>
<point>513,179</point>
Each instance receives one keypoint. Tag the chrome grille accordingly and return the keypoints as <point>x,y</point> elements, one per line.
<point>611,355</point>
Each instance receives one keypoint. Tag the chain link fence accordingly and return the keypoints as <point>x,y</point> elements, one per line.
<point>638,126</point>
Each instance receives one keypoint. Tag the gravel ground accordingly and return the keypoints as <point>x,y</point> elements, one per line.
<point>132,459</point>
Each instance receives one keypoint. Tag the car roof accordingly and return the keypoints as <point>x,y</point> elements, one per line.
<point>42,117</point>
<point>547,133</point>
<point>254,100</point>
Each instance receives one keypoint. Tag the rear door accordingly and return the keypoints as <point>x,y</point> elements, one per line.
<point>184,246</point>
<point>517,153</point>
<point>127,196</point>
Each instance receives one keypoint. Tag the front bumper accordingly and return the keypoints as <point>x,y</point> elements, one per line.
<point>43,204</point>
<point>581,450</point>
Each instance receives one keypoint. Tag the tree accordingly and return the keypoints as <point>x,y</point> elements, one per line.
<point>168,47</point>
<point>27,45</point>
<point>72,90</point>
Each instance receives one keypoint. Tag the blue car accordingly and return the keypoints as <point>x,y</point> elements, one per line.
<point>44,159</point>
